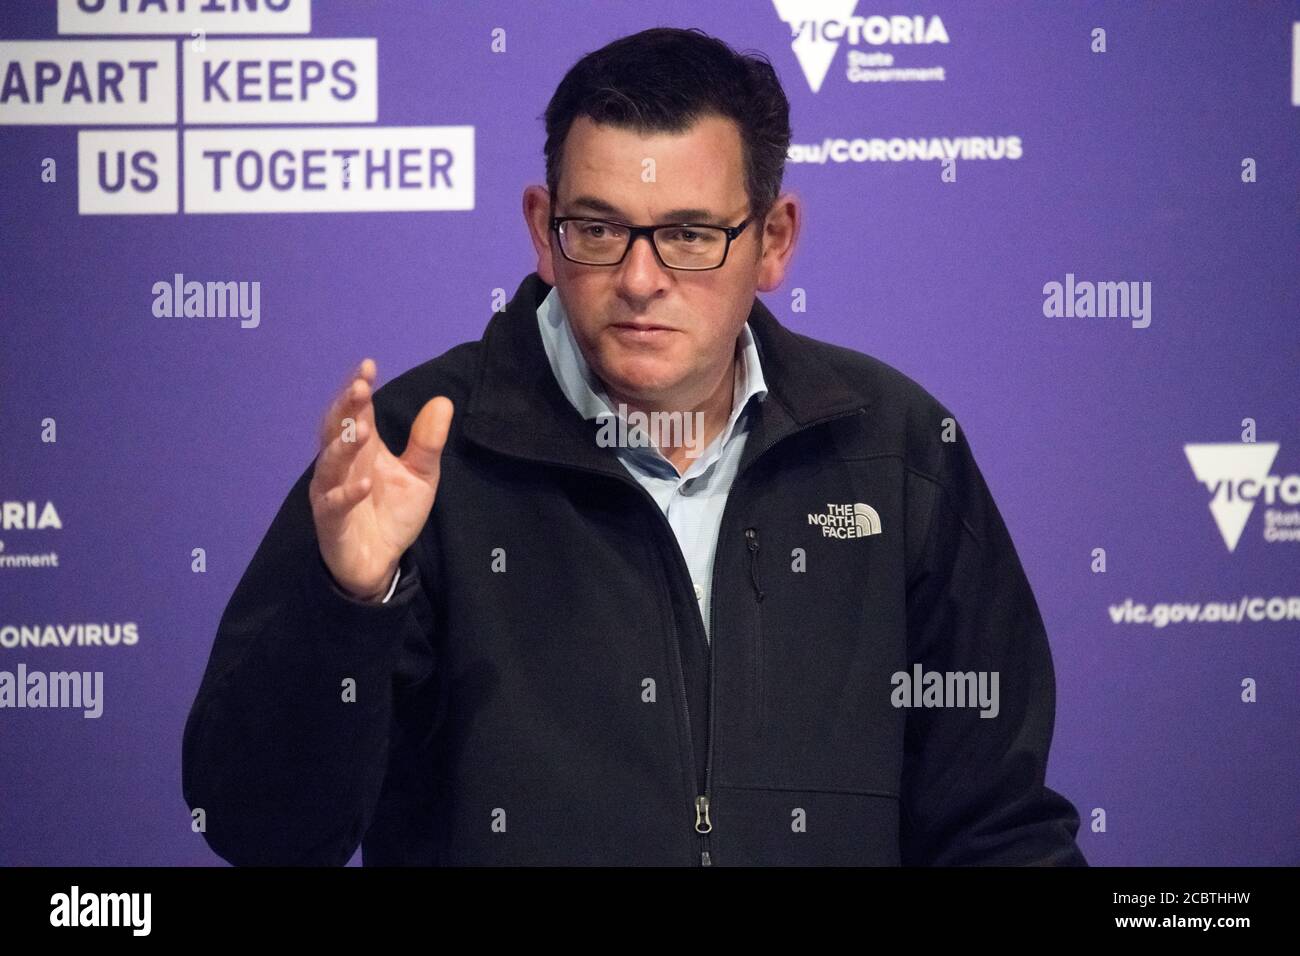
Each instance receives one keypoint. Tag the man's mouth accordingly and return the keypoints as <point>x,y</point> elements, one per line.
<point>640,330</point>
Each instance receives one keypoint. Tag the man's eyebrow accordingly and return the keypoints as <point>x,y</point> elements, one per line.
<point>599,206</point>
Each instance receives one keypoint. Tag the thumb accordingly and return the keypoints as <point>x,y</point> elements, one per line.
<point>423,454</point>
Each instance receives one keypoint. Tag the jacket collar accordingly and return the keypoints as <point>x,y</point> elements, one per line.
<point>518,408</point>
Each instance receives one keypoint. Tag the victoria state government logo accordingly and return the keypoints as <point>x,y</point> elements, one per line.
<point>1237,475</point>
<point>847,521</point>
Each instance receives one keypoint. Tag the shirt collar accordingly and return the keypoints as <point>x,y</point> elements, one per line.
<point>583,388</point>
<point>514,405</point>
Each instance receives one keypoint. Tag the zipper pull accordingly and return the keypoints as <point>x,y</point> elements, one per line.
<point>751,537</point>
<point>702,807</point>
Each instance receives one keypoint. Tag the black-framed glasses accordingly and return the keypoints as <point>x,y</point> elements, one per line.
<point>603,242</point>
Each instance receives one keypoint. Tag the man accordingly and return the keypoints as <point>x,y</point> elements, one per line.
<point>486,627</point>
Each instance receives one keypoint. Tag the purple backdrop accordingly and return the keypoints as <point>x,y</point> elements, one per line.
<point>1129,166</point>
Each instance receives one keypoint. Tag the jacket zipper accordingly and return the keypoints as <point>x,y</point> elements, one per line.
<point>703,824</point>
<point>702,801</point>
<point>751,538</point>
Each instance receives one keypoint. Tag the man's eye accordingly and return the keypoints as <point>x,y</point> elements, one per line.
<point>597,230</point>
<point>689,237</point>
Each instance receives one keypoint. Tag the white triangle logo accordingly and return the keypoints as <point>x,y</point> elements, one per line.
<point>1221,468</point>
<point>813,51</point>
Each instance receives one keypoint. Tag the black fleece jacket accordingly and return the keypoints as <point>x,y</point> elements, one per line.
<point>539,689</point>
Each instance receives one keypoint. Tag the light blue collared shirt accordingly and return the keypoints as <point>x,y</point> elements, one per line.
<point>693,500</point>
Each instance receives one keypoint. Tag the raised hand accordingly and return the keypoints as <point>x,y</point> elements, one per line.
<point>368,504</point>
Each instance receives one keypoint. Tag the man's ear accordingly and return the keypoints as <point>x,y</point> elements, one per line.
<point>537,217</point>
<point>779,231</point>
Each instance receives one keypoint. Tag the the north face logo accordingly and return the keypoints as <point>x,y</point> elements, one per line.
<point>847,521</point>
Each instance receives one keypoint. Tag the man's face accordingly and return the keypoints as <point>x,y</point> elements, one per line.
<point>655,335</point>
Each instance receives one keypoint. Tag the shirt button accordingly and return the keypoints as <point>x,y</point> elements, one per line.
<point>699,593</point>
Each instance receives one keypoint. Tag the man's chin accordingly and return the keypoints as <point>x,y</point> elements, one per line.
<point>638,386</point>
<point>639,374</point>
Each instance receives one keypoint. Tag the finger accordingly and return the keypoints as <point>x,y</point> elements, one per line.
<point>329,422</point>
<point>363,369</point>
<point>334,463</point>
<point>363,408</point>
<point>351,402</point>
<point>423,454</point>
<point>341,498</point>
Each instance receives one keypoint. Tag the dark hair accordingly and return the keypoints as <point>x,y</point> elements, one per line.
<point>665,79</point>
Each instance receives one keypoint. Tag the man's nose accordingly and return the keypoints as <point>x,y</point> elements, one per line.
<point>642,269</point>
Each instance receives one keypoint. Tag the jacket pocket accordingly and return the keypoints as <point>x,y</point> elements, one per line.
<point>769,826</point>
